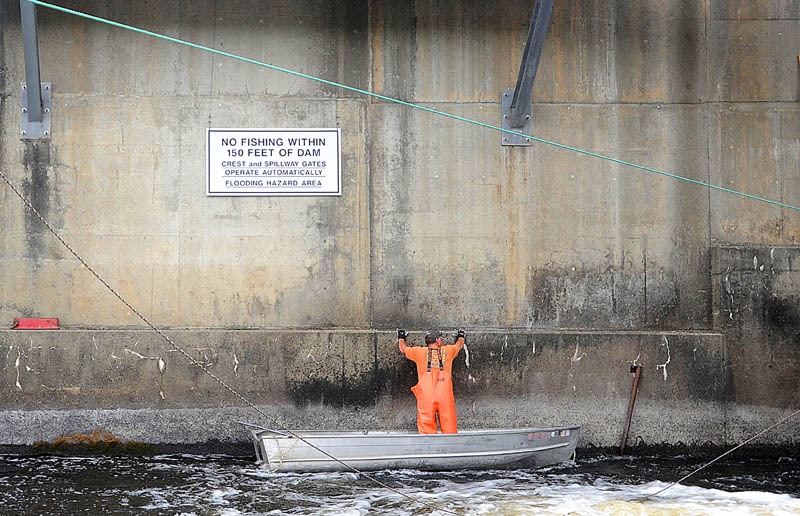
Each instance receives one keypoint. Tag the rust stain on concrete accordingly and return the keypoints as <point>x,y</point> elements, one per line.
<point>378,35</point>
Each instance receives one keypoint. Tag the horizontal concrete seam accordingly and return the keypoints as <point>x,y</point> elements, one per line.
<point>753,19</point>
<point>360,100</point>
<point>215,98</point>
<point>756,247</point>
<point>500,331</point>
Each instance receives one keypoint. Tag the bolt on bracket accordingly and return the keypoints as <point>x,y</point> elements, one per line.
<point>31,129</point>
<point>508,139</point>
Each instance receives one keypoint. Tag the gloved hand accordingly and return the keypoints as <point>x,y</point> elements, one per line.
<point>461,334</point>
<point>402,334</point>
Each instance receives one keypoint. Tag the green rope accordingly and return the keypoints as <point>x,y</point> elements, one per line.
<point>409,104</point>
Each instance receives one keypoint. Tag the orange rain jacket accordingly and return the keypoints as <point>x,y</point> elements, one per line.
<point>434,388</point>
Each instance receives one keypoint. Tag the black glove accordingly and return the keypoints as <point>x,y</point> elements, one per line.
<point>402,334</point>
<point>461,334</point>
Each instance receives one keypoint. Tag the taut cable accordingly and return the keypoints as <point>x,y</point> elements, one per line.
<point>410,104</point>
<point>194,361</point>
<point>786,418</point>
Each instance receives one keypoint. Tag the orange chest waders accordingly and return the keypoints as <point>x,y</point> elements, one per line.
<point>434,388</point>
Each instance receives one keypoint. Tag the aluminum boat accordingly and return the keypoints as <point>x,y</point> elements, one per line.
<point>371,450</point>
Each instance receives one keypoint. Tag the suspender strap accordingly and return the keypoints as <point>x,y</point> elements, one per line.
<point>439,354</point>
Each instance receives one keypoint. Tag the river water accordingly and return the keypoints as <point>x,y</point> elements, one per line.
<point>234,485</point>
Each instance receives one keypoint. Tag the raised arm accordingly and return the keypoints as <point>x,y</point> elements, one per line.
<point>461,338</point>
<point>402,335</point>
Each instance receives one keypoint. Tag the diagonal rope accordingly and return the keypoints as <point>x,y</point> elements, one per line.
<point>397,101</point>
<point>197,363</point>
<point>411,105</point>
<point>704,466</point>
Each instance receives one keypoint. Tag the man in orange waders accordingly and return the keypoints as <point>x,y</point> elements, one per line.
<point>434,388</point>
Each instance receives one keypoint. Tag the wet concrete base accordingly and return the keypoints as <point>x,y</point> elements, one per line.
<point>58,383</point>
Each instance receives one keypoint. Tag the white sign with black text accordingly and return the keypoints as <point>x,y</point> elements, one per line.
<point>253,162</point>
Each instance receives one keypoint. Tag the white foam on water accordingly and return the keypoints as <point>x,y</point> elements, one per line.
<point>217,496</point>
<point>294,478</point>
<point>604,498</point>
<point>527,496</point>
<point>349,508</point>
<point>233,489</point>
<point>158,504</point>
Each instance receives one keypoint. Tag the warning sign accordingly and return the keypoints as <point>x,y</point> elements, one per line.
<point>253,162</point>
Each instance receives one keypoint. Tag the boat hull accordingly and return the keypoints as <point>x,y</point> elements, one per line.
<point>378,450</point>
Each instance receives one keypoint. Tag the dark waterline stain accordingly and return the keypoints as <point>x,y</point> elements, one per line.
<point>36,188</point>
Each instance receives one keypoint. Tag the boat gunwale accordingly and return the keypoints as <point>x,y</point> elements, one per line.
<point>352,434</point>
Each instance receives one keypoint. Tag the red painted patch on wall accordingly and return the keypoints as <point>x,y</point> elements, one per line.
<point>35,323</point>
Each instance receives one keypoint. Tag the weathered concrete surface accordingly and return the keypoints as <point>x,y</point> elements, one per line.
<point>753,148</point>
<point>546,240</point>
<point>69,381</point>
<point>144,223</point>
<point>758,307</point>
<point>532,237</point>
<point>61,382</point>
<point>438,226</point>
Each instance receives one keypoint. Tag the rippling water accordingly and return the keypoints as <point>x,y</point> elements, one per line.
<point>226,485</point>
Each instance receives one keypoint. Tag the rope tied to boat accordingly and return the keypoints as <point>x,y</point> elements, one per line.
<point>199,364</point>
<point>389,99</point>
<point>783,420</point>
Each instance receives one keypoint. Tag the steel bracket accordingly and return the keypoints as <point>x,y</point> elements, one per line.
<point>31,130</point>
<point>508,139</point>
<point>516,103</point>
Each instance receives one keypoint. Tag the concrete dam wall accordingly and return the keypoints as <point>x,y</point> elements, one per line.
<point>565,269</point>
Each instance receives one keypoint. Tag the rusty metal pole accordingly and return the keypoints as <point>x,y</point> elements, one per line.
<point>637,372</point>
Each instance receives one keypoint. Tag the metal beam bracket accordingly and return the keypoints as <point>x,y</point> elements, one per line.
<point>516,103</point>
<point>31,130</point>
<point>505,108</point>
<point>34,124</point>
